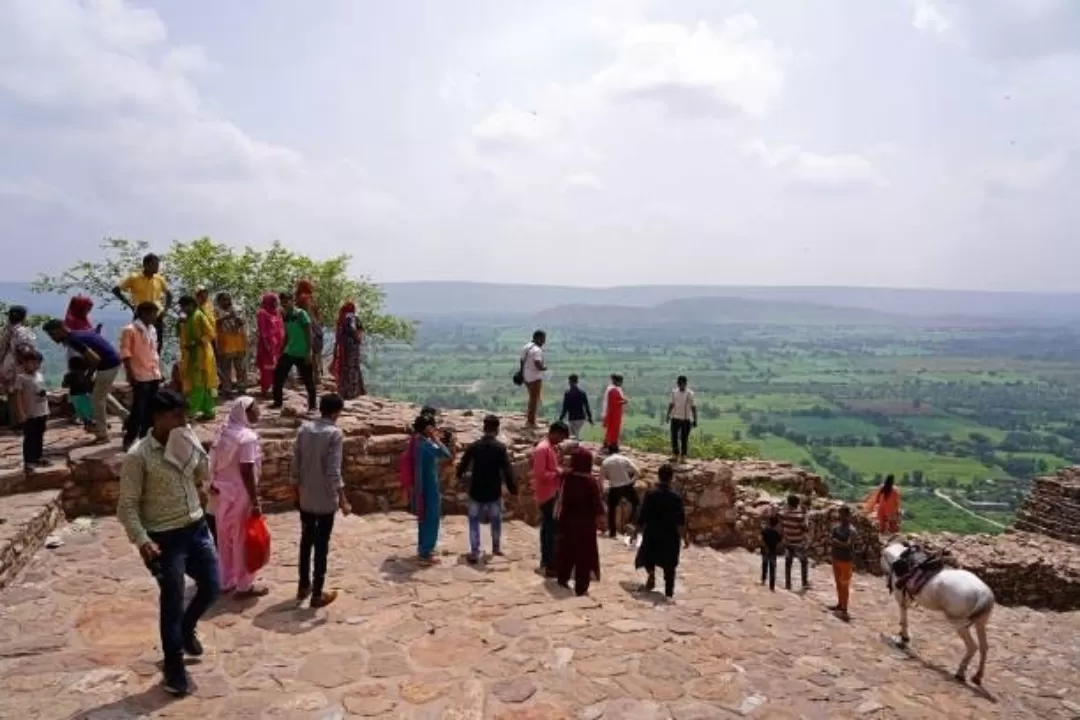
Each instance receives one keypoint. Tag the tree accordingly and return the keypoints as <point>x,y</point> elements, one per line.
<point>244,273</point>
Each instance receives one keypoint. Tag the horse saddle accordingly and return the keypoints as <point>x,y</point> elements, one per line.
<point>914,568</point>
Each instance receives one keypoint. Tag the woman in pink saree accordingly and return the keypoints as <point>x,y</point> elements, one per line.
<point>271,340</point>
<point>235,461</point>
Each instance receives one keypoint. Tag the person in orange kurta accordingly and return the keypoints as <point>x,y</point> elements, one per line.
<point>611,414</point>
<point>885,500</point>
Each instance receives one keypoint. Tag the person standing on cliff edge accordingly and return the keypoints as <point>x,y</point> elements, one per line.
<point>531,374</point>
<point>147,286</point>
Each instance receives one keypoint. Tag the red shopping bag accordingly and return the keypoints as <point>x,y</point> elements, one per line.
<point>256,543</point>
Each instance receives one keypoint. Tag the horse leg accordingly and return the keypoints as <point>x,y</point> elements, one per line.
<point>984,647</point>
<point>904,637</point>
<point>969,652</point>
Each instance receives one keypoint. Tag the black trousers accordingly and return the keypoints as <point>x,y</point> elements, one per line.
<point>768,568</point>
<point>140,419</point>
<point>680,436</point>
<point>669,579</point>
<point>33,442</point>
<point>547,534</point>
<point>281,374</point>
<point>614,496</point>
<point>315,530</point>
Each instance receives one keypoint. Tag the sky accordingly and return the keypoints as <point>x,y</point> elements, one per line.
<point>898,143</point>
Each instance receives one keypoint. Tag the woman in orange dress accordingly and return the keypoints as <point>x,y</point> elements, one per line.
<point>611,414</point>
<point>885,500</point>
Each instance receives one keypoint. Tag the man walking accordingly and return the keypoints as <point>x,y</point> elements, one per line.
<point>147,286</point>
<point>546,476</point>
<point>682,416</point>
<point>619,474</point>
<point>101,357</point>
<point>320,493</point>
<point>139,354</point>
<point>532,374</point>
<point>575,408</point>
<point>490,464</point>
<point>159,508</point>
<point>298,352</point>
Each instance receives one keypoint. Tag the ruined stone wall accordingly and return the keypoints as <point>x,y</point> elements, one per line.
<point>1053,507</point>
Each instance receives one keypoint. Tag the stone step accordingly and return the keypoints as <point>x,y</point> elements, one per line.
<point>26,520</point>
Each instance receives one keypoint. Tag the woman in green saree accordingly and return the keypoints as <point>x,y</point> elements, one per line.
<point>198,367</point>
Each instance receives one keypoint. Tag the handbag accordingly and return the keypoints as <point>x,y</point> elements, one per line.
<point>256,543</point>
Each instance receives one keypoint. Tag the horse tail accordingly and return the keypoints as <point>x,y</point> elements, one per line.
<point>982,608</point>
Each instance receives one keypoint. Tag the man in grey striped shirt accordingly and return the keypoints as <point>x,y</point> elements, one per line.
<point>319,493</point>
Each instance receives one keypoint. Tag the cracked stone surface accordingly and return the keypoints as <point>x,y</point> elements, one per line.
<point>78,639</point>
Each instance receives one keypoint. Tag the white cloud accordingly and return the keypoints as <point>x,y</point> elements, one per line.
<point>808,168</point>
<point>583,181</point>
<point>704,71</point>
<point>928,18</point>
<point>510,128</point>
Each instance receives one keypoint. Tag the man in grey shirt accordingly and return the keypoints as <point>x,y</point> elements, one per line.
<point>320,492</point>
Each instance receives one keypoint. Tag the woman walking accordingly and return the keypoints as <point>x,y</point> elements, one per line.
<point>885,500</point>
<point>663,524</point>
<point>578,511</point>
<point>235,465</point>
<point>611,415</point>
<point>15,339</point>
<point>198,368</point>
<point>348,341</point>
<point>271,339</point>
<point>426,496</point>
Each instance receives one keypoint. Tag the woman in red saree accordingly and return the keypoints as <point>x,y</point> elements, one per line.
<point>611,414</point>
<point>78,314</point>
<point>577,511</point>
<point>271,329</point>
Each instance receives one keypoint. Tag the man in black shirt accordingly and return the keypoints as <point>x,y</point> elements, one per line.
<point>490,465</point>
<point>575,408</point>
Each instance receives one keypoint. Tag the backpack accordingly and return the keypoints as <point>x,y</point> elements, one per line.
<point>519,376</point>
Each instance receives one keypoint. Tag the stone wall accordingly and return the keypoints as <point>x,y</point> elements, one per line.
<point>27,520</point>
<point>1053,507</point>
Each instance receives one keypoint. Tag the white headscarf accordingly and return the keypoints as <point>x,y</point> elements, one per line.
<point>234,433</point>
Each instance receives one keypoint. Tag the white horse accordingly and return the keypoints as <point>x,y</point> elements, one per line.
<point>963,598</point>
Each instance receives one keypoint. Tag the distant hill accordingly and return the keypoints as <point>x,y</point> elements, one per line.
<point>736,310</point>
<point>463,298</point>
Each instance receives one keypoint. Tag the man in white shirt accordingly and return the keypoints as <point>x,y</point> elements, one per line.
<point>682,415</point>
<point>619,474</point>
<point>532,374</point>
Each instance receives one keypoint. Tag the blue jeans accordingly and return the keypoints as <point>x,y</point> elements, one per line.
<point>547,534</point>
<point>494,514</point>
<point>187,551</point>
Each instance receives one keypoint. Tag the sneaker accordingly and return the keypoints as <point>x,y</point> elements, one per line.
<point>41,463</point>
<point>177,687</point>
<point>497,552</point>
<point>472,558</point>
<point>303,593</point>
<point>323,599</point>
<point>192,646</point>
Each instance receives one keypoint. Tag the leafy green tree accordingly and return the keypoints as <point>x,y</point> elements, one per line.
<point>244,273</point>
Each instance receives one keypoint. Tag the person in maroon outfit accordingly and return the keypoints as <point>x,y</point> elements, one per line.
<point>579,507</point>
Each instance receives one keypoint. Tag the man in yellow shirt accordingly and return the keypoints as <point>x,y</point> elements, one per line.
<point>144,287</point>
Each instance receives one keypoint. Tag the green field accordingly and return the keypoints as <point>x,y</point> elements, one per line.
<point>976,413</point>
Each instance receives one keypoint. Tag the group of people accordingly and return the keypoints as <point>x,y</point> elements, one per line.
<point>163,515</point>
<point>214,355</point>
<point>681,415</point>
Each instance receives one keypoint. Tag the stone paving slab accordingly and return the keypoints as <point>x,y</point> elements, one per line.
<point>78,639</point>
<point>25,521</point>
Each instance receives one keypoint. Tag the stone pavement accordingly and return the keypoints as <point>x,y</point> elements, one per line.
<point>78,638</point>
